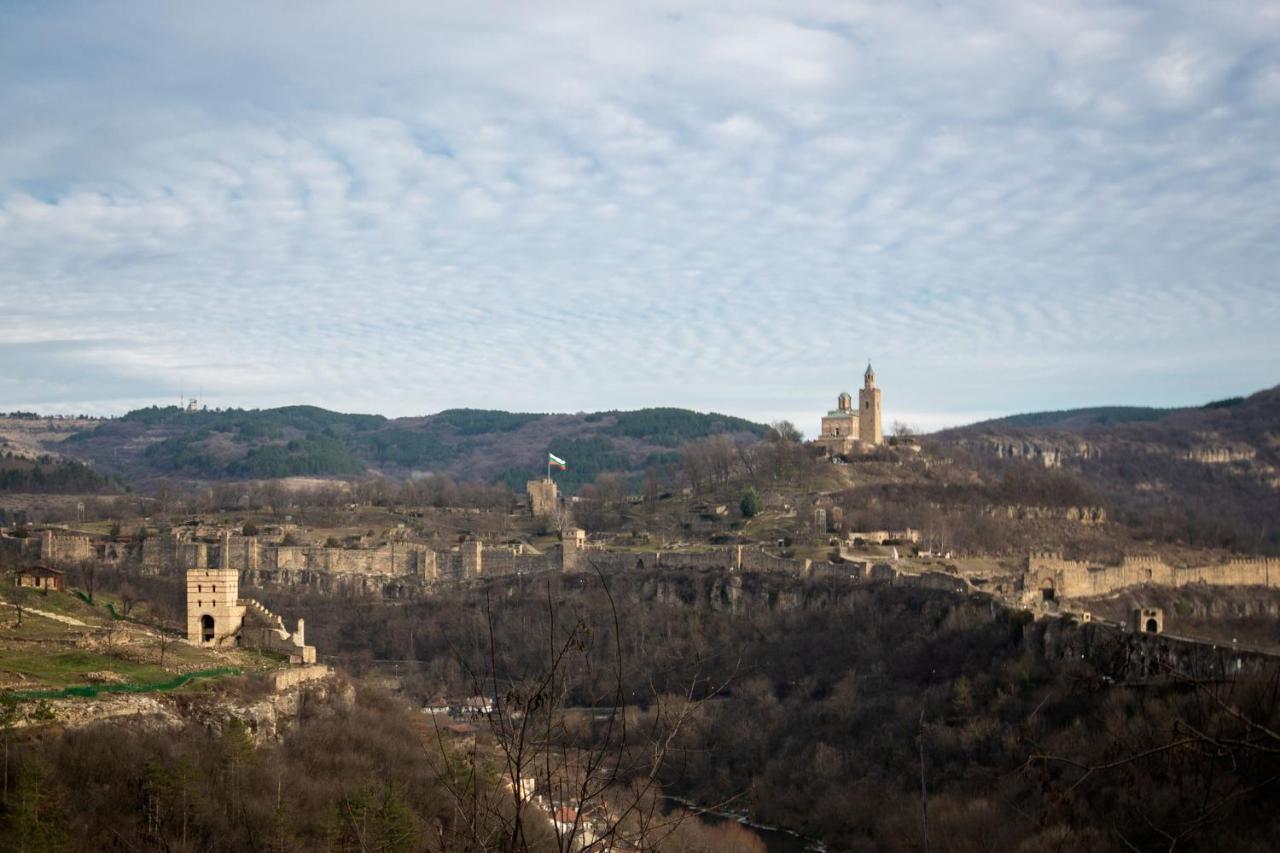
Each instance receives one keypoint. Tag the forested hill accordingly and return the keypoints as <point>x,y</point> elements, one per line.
<point>1076,418</point>
<point>1208,475</point>
<point>472,444</point>
<point>1246,419</point>
<point>1095,418</point>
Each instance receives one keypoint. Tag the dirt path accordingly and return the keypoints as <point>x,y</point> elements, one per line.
<point>56,617</point>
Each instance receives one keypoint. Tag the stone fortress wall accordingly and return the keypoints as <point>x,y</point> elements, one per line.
<point>218,617</point>
<point>398,568</point>
<point>1049,576</point>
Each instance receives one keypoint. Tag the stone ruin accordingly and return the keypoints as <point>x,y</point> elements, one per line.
<point>218,617</point>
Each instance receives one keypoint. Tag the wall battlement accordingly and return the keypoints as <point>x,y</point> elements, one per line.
<point>217,616</point>
<point>401,566</point>
<point>1049,577</point>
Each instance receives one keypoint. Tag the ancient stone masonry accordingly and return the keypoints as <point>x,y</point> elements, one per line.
<point>544,499</point>
<point>214,612</point>
<point>845,428</point>
<point>65,547</point>
<point>573,541</point>
<point>1133,654</point>
<point>248,553</point>
<point>880,537</point>
<point>218,617</point>
<point>400,569</point>
<point>1049,577</point>
<point>57,547</point>
<point>1147,620</point>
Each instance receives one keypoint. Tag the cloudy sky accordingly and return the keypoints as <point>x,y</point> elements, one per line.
<point>400,208</point>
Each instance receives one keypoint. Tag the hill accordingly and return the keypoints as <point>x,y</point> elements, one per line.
<point>47,474</point>
<point>1078,418</point>
<point>471,444</point>
<point>1207,476</point>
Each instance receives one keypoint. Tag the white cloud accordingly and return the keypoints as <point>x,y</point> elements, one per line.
<point>1006,205</point>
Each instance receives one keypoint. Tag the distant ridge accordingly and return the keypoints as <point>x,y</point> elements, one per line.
<point>1079,418</point>
<point>467,444</point>
<point>1107,416</point>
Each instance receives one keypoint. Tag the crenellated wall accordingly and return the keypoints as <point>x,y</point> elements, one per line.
<point>398,568</point>
<point>58,547</point>
<point>1048,572</point>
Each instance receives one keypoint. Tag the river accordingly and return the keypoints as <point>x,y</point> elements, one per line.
<point>776,839</point>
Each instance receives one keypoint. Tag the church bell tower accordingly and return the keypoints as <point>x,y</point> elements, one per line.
<point>869,428</point>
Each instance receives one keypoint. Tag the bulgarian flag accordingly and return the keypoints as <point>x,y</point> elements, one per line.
<point>552,459</point>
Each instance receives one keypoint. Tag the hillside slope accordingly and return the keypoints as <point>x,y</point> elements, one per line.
<point>471,444</point>
<point>1208,476</point>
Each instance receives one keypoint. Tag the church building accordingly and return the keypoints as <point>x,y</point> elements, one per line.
<point>844,428</point>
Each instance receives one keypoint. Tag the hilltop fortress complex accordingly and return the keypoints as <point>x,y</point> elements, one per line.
<point>401,565</point>
<point>400,569</point>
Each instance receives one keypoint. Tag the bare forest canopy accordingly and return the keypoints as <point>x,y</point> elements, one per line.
<point>826,704</point>
<point>1075,419</point>
<point>467,444</point>
<point>1206,476</point>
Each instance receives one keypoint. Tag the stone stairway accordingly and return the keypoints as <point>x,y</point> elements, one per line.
<point>265,615</point>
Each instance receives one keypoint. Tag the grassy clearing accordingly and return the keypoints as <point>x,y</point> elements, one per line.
<point>38,655</point>
<point>34,627</point>
<point>46,667</point>
<point>62,603</point>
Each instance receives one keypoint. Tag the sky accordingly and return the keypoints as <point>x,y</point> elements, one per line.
<point>405,207</point>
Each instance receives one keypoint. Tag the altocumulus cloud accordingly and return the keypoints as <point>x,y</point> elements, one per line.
<point>402,207</point>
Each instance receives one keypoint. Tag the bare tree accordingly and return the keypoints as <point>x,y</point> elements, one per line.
<point>902,430</point>
<point>1220,751</point>
<point>589,775</point>
<point>785,432</point>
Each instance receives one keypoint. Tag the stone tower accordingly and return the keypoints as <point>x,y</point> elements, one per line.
<point>869,429</point>
<point>573,541</point>
<point>544,499</point>
<point>214,611</point>
<point>472,558</point>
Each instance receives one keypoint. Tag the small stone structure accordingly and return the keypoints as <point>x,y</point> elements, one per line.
<point>214,611</point>
<point>544,498</point>
<point>65,546</point>
<point>880,537</point>
<point>218,617</point>
<point>1147,620</point>
<point>472,558</point>
<point>845,428</point>
<point>573,541</point>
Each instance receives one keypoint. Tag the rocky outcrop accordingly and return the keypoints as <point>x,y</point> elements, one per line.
<point>1050,454</point>
<point>267,715</point>
<point>1220,455</point>
<point>1087,515</point>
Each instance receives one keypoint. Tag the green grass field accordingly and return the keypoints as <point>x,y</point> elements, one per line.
<point>46,668</point>
<point>43,653</point>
